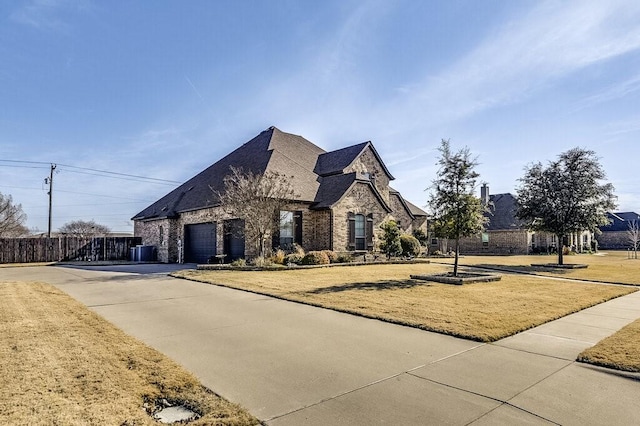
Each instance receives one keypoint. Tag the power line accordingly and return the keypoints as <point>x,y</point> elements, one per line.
<point>104,196</point>
<point>145,180</point>
<point>122,174</point>
<point>105,173</point>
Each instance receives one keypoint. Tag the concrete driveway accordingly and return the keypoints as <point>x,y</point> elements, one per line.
<point>292,364</point>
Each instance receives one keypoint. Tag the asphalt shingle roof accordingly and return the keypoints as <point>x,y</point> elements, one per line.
<point>316,175</point>
<point>503,213</point>
<point>619,221</point>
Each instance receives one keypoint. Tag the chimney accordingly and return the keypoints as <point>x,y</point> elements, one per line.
<point>484,194</point>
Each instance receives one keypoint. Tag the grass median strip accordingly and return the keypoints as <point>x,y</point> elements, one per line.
<point>620,351</point>
<point>483,311</point>
<point>60,363</point>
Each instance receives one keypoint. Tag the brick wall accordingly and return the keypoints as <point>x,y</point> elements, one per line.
<point>618,240</point>
<point>499,242</point>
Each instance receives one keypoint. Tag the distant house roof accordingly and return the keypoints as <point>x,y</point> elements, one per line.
<point>502,214</point>
<point>317,176</point>
<point>619,221</point>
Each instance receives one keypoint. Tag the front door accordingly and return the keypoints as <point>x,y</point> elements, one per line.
<point>233,239</point>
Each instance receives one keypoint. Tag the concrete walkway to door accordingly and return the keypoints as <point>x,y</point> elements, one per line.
<point>292,364</point>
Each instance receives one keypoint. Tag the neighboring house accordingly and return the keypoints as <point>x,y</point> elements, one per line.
<point>616,234</point>
<point>342,197</point>
<point>506,234</point>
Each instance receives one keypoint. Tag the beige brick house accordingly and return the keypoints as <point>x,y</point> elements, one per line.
<point>342,198</point>
<point>506,234</point>
<point>615,236</point>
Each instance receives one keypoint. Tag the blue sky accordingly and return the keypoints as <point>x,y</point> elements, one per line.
<point>163,89</point>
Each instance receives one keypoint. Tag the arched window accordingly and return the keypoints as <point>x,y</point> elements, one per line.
<point>360,232</point>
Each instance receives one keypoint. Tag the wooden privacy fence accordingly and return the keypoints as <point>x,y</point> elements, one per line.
<point>28,250</point>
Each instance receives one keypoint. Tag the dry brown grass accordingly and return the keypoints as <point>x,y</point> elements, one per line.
<point>482,311</point>
<point>24,265</point>
<point>611,267</point>
<point>63,364</point>
<point>620,351</point>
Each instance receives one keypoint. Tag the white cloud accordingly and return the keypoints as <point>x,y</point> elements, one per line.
<point>616,91</point>
<point>550,42</point>
<point>47,14</point>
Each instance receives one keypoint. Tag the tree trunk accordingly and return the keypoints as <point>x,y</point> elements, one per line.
<point>455,262</point>
<point>560,249</point>
<point>261,248</point>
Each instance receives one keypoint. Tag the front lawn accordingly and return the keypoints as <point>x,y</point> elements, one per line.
<point>483,311</point>
<point>620,351</point>
<point>61,364</point>
<point>610,266</point>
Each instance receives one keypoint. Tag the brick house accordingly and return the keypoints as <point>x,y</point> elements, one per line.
<point>615,236</point>
<point>506,234</point>
<point>343,197</point>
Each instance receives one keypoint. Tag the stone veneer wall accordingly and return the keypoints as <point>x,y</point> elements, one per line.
<point>149,231</point>
<point>400,214</point>
<point>368,163</point>
<point>359,200</point>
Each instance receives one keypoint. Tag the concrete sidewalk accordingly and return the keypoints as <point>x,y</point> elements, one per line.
<point>292,364</point>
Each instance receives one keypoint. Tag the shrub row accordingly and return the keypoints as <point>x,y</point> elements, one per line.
<point>299,257</point>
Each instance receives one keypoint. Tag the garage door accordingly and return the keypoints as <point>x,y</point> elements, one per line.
<point>199,242</point>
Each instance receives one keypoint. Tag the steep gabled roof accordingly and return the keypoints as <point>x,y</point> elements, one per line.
<point>415,210</point>
<point>335,162</point>
<point>619,221</point>
<point>503,213</point>
<point>411,209</point>
<point>272,150</point>
<point>334,187</point>
<point>318,177</point>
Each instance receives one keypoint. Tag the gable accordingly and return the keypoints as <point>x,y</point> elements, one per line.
<point>361,158</point>
<point>619,221</point>
<point>333,189</point>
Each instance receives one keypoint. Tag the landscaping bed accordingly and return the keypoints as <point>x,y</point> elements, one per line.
<point>461,278</point>
<point>558,266</point>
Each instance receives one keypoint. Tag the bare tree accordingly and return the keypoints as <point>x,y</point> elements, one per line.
<point>258,200</point>
<point>12,218</point>
<point>84,229</point>
<point>633,235</point>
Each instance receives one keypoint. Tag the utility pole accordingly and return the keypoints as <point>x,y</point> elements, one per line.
<point>50,182</point>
